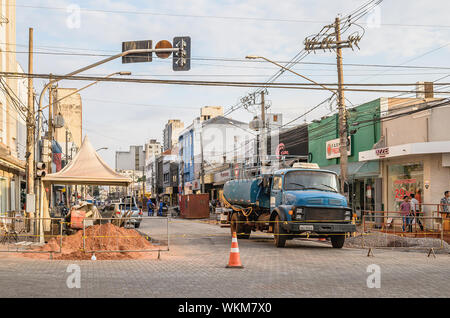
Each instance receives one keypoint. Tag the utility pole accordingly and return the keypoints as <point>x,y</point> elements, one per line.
<point>143,186</point>
<point>30,133</point>
<point>333,41</point>
<point>67,162</point>
<point>30,118</point>
<point>202,167</point>
<point>50,127</point>
<point>342,108</point>
<point>263,131</point>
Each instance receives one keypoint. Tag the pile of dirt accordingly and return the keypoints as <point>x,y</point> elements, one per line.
<point>381,240</point>
<point>104,237</point>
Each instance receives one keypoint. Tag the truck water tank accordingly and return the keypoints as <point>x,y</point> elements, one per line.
<point>243,192</point>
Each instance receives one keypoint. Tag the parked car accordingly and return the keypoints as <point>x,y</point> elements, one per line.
<point>136,213</point>
<point>118,210</point>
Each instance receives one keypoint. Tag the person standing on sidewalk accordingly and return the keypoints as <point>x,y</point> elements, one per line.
<point>445,201</point>
<point>405,211</point>
<point>150,207</point>
<point>415,208</point>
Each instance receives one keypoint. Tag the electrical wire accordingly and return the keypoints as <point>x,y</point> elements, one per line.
<point>258,85</point>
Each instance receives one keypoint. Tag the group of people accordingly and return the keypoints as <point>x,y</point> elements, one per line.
<point>410,210</point>
<point>151,208</point>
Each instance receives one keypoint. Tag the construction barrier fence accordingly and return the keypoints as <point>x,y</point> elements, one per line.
<point>19,233</point>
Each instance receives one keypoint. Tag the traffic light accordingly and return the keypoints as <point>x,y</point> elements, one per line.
<point>40,169</point>
<point>182,58</point>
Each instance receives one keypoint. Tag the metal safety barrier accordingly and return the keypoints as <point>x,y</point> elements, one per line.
<point>392,229</point>
<point>22,234</point>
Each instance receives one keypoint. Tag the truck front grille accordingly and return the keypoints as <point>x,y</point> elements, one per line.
<point>324,215</point>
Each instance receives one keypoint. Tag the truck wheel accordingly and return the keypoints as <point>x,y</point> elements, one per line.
<point>278,233</point>
<point>337,241</point>
<point>239,227</point>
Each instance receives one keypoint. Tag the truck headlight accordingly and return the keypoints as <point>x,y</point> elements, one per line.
<point>299,214</point>
<point>348,215</point>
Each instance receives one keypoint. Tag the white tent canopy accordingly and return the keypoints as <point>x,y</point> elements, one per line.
<point>87,168</point>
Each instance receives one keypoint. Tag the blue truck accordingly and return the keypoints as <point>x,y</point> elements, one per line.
<point>303,201</point>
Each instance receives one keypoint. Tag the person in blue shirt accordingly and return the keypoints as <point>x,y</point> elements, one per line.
<point>160,211</point>
<point>150,206</point>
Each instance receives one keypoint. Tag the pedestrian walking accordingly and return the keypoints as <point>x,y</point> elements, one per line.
<point>415,208</point>
<point>405,212</point>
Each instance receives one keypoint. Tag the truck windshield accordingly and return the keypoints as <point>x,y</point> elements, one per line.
<point>307,180</point>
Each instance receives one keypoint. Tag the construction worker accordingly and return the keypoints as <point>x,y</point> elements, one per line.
<point>160,211</point>
<point>150,207</point>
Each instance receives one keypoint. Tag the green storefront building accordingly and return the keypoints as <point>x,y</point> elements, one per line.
<point>364,177</point>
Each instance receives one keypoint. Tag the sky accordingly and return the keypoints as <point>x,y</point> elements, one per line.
<point>117,115</point>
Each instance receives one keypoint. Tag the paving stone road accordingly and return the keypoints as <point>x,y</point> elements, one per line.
<point>195,267</point>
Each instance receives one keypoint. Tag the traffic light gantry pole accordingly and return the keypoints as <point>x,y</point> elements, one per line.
<point>51,82</point>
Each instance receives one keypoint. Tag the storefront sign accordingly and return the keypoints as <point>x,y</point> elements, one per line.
<point>332,148</point>
<point>236,170</point>
<point>382,152</point>
<point>222,176</point>
<point>405,181</point>
<point>281,150</point>
<point>195,185</point>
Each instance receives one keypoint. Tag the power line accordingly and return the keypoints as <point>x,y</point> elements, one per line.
<point>357,15</point>
<point>259,85</point>
<point>224,59</point>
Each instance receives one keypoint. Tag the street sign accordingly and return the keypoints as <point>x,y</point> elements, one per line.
<point>137,57</point>
<point>182,58</point>
<point>163,44</point>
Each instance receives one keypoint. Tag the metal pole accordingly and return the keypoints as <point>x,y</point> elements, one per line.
<point>108,59</point>
<point>30,152</point>
<point>143,186</point>
<point>30,118</point>
<point>342,108</point>
<point>202,170</point>
<point>67,162</point>
<point>41,213</point>
<point>263,131</point>
<point>50,127</point>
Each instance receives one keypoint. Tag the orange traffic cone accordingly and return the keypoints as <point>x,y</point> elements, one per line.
<point>235,258</point>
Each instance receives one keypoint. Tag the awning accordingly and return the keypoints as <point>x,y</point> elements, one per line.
<point>358,169</point>
<point>418,148</point>
<point>87,168</point>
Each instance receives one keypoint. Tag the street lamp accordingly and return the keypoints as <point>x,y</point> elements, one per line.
<point>80,70</point>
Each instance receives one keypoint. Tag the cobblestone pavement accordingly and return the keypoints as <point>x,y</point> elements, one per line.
<point>195,267</point>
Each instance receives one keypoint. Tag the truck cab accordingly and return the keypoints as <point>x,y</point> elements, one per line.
<point>307,202</point>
